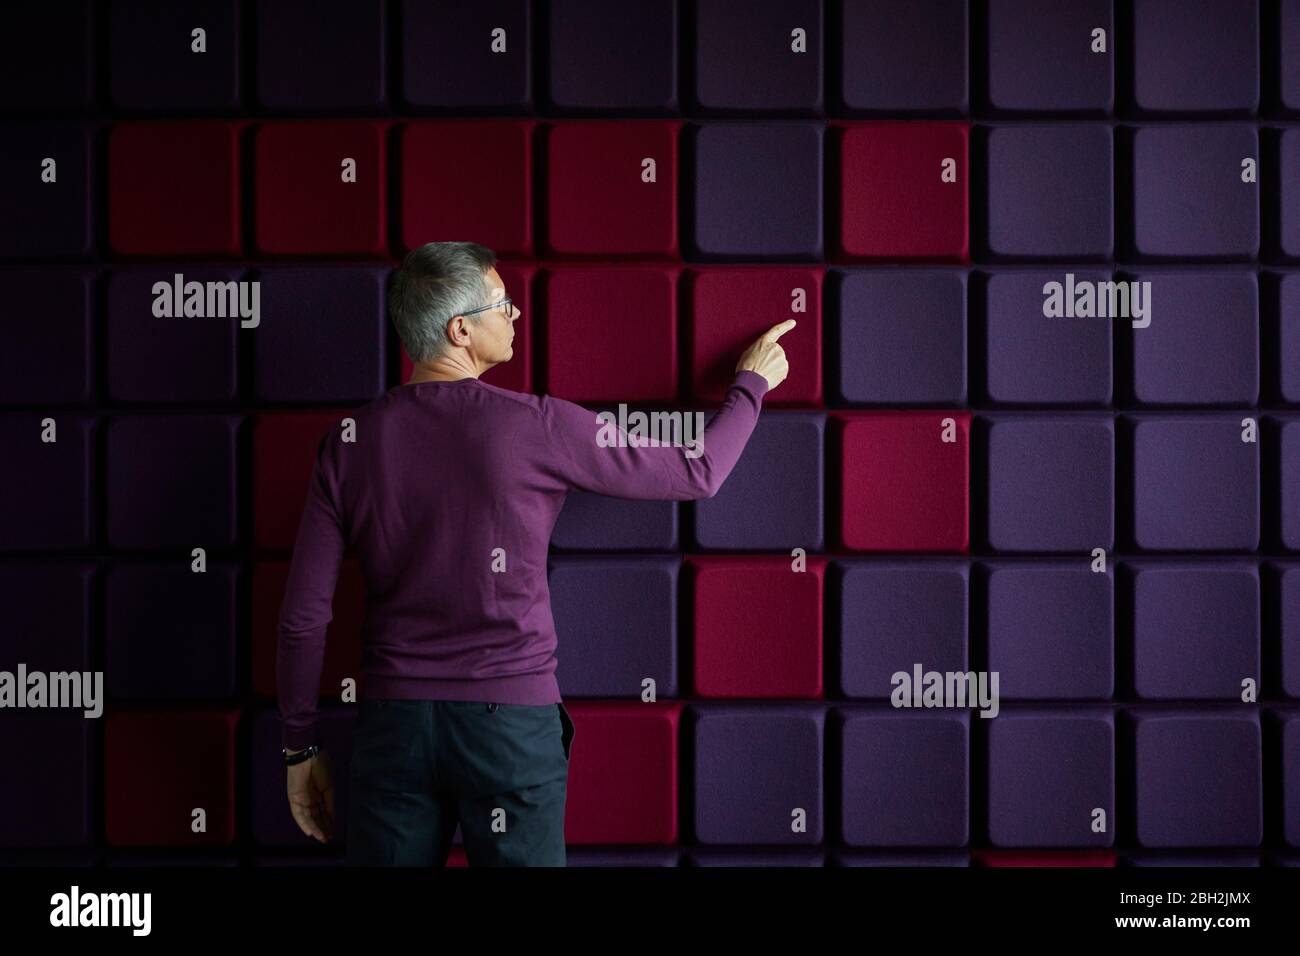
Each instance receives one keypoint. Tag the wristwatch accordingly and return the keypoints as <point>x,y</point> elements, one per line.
<point>300,756</point>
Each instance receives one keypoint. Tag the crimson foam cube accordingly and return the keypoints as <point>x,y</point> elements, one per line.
<point>905,480</point>
<point>758,626</point>
<point>601,196</point>
<point>904,191</point>
<point>730,308</point>
<point>612,333</point>
<point>162,766</point>
<point>319,188</point>
<point>468,178</point>
<point>623,773</point>
<point>173,189</point>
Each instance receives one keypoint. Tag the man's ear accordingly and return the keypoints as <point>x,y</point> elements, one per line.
<point>455,329</point>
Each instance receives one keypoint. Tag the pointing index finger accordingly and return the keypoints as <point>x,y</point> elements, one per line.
<point>778,330</point>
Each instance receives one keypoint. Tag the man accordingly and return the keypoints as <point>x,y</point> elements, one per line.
<point>447,489</point>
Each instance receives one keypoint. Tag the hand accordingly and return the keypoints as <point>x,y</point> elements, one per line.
<point>766,357</point>
<point>311,797</point>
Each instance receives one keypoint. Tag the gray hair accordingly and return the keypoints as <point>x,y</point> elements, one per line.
<point>436,282</point>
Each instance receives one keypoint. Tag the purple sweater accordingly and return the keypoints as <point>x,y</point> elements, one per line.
<point>448,492</point>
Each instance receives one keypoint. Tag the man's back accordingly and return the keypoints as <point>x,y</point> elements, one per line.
<point>448,491</point>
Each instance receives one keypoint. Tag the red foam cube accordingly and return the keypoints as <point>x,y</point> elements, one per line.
<point>758,626</point>
<point>731,307</point>
<point>611,333</point>
<point>319,188</point>
<point>905,480</point>
<point>468,178</point>
<point>601,199</point>
<point>173,189</point>
<point>623,772</point>
<point>904,191</point>
<point>160,766</point>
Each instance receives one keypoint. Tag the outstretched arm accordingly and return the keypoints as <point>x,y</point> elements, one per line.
<point>667,472</point>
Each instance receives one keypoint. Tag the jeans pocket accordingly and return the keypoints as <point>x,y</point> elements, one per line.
<point>567,730</point>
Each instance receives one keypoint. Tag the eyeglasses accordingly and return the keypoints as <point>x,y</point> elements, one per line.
<point>505,307</point>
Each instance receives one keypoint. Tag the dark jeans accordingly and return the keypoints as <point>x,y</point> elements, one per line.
<point>419,767</point>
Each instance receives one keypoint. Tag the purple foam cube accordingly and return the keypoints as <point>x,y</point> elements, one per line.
<point>783,461</point>
<point>50,360</point>
<point>737,71</point>
<point>1043,57</point>
<point>1051,778</point>
<point>1050,629</point>
<point>1051,482</point>
<point>146,655</point>
<point>48,56</point>
<point>466,74</point>
<point>174,358</point>
<point>1195,482</point>
<point>172,481</point>
<point>1198,778</point>
<point>1032,358</point>
<point>1049,191</point>
<point>44,801</point>
<point>607,57</point>
<point>322,334</point>
<point>735,211</point>
<point>904,777</point>
<point>46,493</point>
<point>902,336</point>
<point>617,623</point>
<point>320,54</point>
<point>46,219</point>
<point>1174,43</point>
<point>152,58</point>
<point>895,614</point>
<point>1196,629</point>
<point>1189,198</point>
<point>1202,344</point>
<point>758,773</point>
<point>903,57</point>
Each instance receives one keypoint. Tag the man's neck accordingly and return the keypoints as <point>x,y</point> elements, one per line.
<point>441,372</point>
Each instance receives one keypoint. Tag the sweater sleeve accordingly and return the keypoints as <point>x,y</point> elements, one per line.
<point>307,607</point>
<point>588,460</point>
